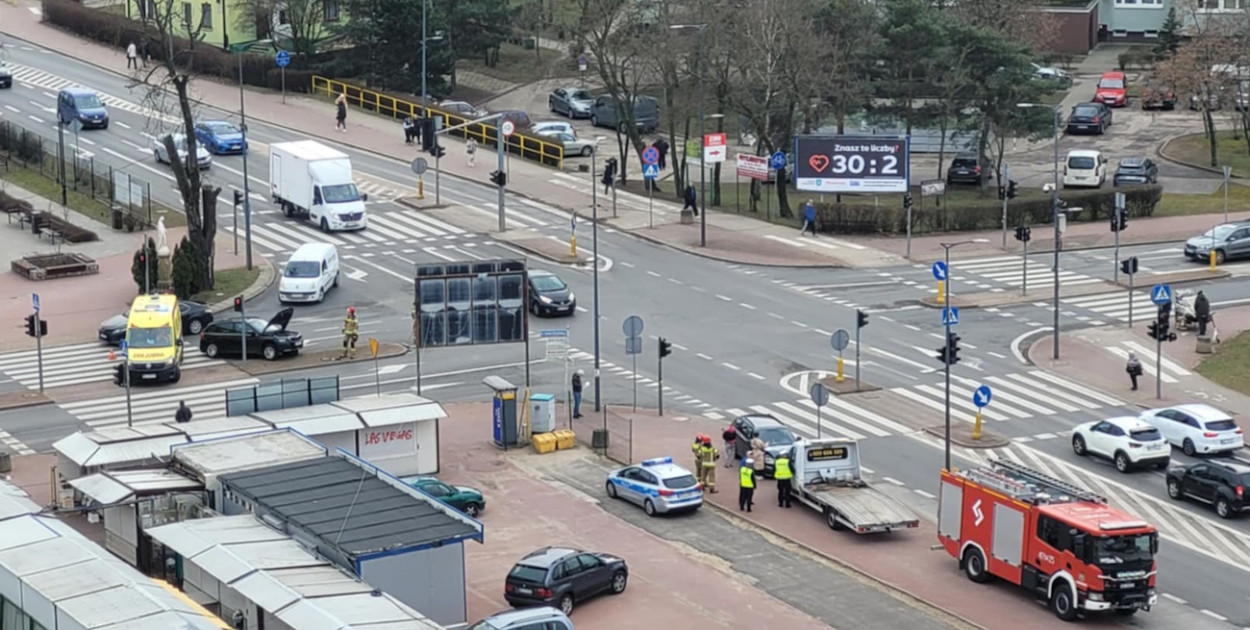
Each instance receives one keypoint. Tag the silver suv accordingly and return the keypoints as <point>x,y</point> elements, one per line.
<point>541,618</point>
<point>1228,240</point>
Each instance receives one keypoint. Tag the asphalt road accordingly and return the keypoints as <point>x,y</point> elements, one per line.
<point>745,340</point>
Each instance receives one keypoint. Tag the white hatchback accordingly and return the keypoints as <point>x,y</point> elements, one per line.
<point>1127,441</point>
<point>1084,168</point>
<point>1197,428</point>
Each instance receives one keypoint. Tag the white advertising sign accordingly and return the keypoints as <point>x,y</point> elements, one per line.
<point>752,166</point>
<point>714,149</point>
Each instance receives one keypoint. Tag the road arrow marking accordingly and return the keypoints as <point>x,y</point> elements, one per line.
<point>358,274</point>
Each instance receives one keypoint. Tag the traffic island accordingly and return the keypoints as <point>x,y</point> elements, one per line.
<point>260,367</point>
<point>547,247</point>
<point>961,435</point>
<point>847,386</point>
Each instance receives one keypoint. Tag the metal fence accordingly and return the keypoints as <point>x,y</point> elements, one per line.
<point>612,436</point>
<point>102,183</point>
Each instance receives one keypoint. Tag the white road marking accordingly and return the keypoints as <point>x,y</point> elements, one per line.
<point>653,274</point>
<point>703,356</point>
<point>755,376</point>
<point>727,299</point>
<point>927,495</point>
<point>745,305</point>
<point>730,366</point>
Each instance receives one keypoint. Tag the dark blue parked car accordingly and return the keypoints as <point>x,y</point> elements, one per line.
<point>220,137</point>
<point>82,105</point>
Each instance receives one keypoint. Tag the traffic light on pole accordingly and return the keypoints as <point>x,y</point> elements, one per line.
<point>907,203</point>
<point>1024,233</point>
<point>499,178</point>
<point>861,318</point>
<point>1012,189</point>
<point>943,355</point>
<point>238,197</point>
<point>1152,330</point>
<point>666,347</point>
<point>1129,265</point>
<point>952,341</point>
<point>238,304</point>
<point>119,374</point>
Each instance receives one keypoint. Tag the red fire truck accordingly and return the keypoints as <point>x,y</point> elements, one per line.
<point>1061,542</point>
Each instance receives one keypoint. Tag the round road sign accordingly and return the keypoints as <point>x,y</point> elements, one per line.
<point>507,127</point>
<point>419,166</point>
<point>632,326</point>
<point>650,155</point>
<point>840,339</point>
<point>819,394</point>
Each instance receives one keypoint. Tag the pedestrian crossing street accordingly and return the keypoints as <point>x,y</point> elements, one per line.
<point>1199,533</point>
<point>1113,306</point>
<point>1169,370</point>
<point>990,274</point>
<point>206,402</point>
<point>77,364</point>
<point>1016,396</point>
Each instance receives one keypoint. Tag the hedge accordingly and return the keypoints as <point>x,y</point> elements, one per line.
<point>118,30</point>
<point>981,214</point>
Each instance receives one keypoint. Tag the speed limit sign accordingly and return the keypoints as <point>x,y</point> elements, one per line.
<point>508,127</point>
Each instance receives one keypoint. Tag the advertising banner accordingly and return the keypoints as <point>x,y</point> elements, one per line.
<point>852,164</point>
<point>752,166</point>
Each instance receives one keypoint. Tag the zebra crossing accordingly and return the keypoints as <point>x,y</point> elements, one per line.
<point>206,402</point>
<point>625,200</point>
<point>386,229</point>
<point>1177,525</point>
<point>76,364</point>
<point>1169,369</point>
<point>838,418</point>
<point>1113,306</point>
<point>1010,271</point>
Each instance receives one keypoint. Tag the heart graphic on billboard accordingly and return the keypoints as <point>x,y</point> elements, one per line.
<point>818,162</point>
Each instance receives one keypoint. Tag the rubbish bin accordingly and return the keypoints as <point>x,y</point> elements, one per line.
<point>504,419</point>
<point>6,462</point>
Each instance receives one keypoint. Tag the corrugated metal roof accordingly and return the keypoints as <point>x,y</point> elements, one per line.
<point>276,554</point>
<point>111,606</point>
<point>266,591</point>
<point>15,502</point>
<point>167,620</point>
<point>108,435</point>
<point>279,416</point>
<point>320,581</point>
<point>78,447</point>
<point>146,481</point>
<point>391,409</point>
<point>45,555</point>
<point>236,425</point>
<point>84,449</point>
<point>222,564</point>
<point>303,615</point>
<point>363,609</point>
<point>19,531</point>
<point>88,577</point>
<point>349,509</point>
<point>247,452</point>
<point>102,488</point>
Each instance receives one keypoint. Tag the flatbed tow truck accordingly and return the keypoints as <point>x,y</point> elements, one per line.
<point>828,479</point>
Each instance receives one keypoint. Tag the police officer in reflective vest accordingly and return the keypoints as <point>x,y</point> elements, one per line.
<point>707,464</point>
<point>783,474</point>
<point>351,332</point>
<point>746,485</point>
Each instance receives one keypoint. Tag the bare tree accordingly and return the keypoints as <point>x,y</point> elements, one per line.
<point>299,23</point>
<point>666,58</point>
<point>1018,20</point>
<point>612,32</point>
<point>167,98</point>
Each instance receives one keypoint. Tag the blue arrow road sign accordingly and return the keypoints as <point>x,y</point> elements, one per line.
<point>34,301</point>
<point>1161,294</point>
<point>650,171</point>
<point>950,316</point>
<point>650,155</point>
<point>981,397</point>
<point>939,270</point>
<point>778,161</point>
<point>283,58</point>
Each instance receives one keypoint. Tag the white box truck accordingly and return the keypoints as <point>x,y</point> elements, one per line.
<point>311,181</point>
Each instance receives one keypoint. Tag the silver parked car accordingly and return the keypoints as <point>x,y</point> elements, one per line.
<point>546,127</point>
<point>1229,240</point>
<point>202,156</point>
<point>572,144</point>
<point>570,101</point>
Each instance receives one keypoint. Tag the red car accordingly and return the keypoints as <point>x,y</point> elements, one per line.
<point>1112,90</point>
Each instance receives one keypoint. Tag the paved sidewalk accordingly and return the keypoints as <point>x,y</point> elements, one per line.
<point>1097,357</point>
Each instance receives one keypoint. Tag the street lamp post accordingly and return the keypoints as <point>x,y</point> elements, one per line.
<point>702,129</point>
<point>1054,210</point>
<point>247,189</point>
<point>594,255</point>
<point>946,300</point>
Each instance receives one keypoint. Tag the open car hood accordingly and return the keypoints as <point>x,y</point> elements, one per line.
<point>282,319</point>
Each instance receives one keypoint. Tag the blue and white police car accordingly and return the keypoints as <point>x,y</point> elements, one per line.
<point>658,485</point>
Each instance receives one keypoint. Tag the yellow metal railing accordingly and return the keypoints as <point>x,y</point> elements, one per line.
<point>526,146</point>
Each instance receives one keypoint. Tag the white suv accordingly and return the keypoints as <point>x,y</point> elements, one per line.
<point>1197,428</point>
<point>1127,441</point>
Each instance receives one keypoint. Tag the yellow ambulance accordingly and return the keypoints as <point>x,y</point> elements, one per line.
<point>154,339</point>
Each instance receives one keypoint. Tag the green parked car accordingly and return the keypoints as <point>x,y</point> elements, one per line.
<point>463,498</point>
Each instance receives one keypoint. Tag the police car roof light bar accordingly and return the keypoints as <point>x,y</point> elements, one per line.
<point>656,461</point>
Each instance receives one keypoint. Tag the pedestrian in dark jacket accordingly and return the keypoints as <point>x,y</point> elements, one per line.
<point>809,218</point>
<point>577,393</point>
<point>690,198</point>
<point>340,114</point>
<point>410,129</point>
<point>1202,312</point>
<point>1133,368</point>
<point>730,436</point>
<point>662,148</point>
<point>183,415</point>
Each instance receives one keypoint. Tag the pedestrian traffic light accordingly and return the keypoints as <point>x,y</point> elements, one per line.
<point>666,347</point>
<point>499,178</point>
<point>907,203</point>
<point>238,197</point>
<point>952,341</point>
<point>1129,266</point>
<point>1024,233</point>
<point>238,304</point>
<point>1012,189</point>
<point>119,374</point>
<point>428,136</point>
<point>1152,330</point>
<point>861,318</point>
<point>36,327</point>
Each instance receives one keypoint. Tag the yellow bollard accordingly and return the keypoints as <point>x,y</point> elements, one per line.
<point>976,428</point>
<point>420,189</point>
<point>839,369</point>
<point>1211,257</point>
<point>941,298</point>
<point>573,246</point>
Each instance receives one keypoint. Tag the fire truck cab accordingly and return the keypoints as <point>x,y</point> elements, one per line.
<point>1061,542</point>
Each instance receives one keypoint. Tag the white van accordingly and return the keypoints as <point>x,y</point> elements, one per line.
<point>1084,168</point>
<point>309,273</point>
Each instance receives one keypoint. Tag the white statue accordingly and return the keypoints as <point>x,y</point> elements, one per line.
<point>162,239</point>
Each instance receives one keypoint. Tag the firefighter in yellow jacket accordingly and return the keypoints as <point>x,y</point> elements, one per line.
<point>351,333</point>
<point>707,464</point>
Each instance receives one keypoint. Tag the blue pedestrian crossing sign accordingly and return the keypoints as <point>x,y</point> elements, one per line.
<point>981,397</point>
<point>1161,294</point>
<point>777,161</point>
<point>939,270</point>
<point>950,316</point>
<point>283,58</point>
<point>650,171</point>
